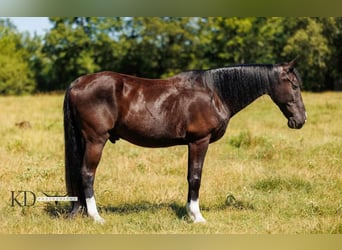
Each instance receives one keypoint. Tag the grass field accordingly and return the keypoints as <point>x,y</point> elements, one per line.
<point>261,177</point>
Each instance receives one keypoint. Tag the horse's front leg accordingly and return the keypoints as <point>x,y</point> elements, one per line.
<point>197,152</point>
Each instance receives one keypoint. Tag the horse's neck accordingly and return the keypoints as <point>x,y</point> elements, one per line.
<point>243,99</point>
<point>237,93</point>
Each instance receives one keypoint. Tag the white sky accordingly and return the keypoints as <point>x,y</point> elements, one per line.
<point>40,25</point>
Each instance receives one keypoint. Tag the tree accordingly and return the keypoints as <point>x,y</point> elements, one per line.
<point>16,76</point>
<point>311,47</point>
<point>332,31</point>
<point>149,47</point>
<point>157,47</point>
<point>228,41</point>
<point>69,51</point>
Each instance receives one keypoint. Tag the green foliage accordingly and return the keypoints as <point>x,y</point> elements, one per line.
<point>235,41</point>
<point>70,49</point>
<point>159,47</point>
<point>231,201</point>
<point>15,74</point>
<point>309,44</point>
<point>244,139</point>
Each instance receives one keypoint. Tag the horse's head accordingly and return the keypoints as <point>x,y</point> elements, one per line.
<point>286,94</point>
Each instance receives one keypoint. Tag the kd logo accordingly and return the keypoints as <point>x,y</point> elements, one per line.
<point>23,198</point>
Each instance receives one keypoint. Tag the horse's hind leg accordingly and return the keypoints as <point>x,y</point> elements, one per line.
<point>93,152</point>
<point>76,207</point>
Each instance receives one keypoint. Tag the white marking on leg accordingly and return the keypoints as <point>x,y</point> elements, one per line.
<point>92,210</point>
<point>193,210</point>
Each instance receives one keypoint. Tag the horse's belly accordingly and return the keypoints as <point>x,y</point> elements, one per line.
<point>152,132</point>
<point>151,139</point>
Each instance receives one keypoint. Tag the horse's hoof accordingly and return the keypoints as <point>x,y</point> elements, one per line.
<point>200,220</point>
<point>99,220</point>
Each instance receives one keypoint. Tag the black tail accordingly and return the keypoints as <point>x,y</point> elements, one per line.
<point>74,151</point>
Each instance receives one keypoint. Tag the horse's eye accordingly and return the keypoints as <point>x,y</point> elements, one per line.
<point>293,84</point>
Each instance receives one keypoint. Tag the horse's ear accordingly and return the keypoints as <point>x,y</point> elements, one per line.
<point>293,62</point>
<point>290,66</point>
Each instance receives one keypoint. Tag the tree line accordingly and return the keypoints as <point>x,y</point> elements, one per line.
<point>158,47</point>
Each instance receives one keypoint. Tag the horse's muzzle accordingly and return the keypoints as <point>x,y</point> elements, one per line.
<point>296,123</point>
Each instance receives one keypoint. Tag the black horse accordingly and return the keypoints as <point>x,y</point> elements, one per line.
<point>192,108</point>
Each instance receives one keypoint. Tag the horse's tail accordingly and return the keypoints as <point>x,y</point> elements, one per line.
<point>74,151</point>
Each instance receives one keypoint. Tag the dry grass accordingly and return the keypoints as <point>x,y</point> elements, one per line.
<point>260,178</point>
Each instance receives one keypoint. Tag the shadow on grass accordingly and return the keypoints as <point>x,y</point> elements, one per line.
<point>131,208</point>
<point>62,210</point>
<point>56,210</point>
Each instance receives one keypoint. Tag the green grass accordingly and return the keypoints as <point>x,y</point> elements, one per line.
<point>261,177</point>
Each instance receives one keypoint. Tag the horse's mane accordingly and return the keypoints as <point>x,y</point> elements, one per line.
<point>239,84</point>
<point>241,81</point>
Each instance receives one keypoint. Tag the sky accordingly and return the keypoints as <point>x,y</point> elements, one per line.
<point>40,25</point>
